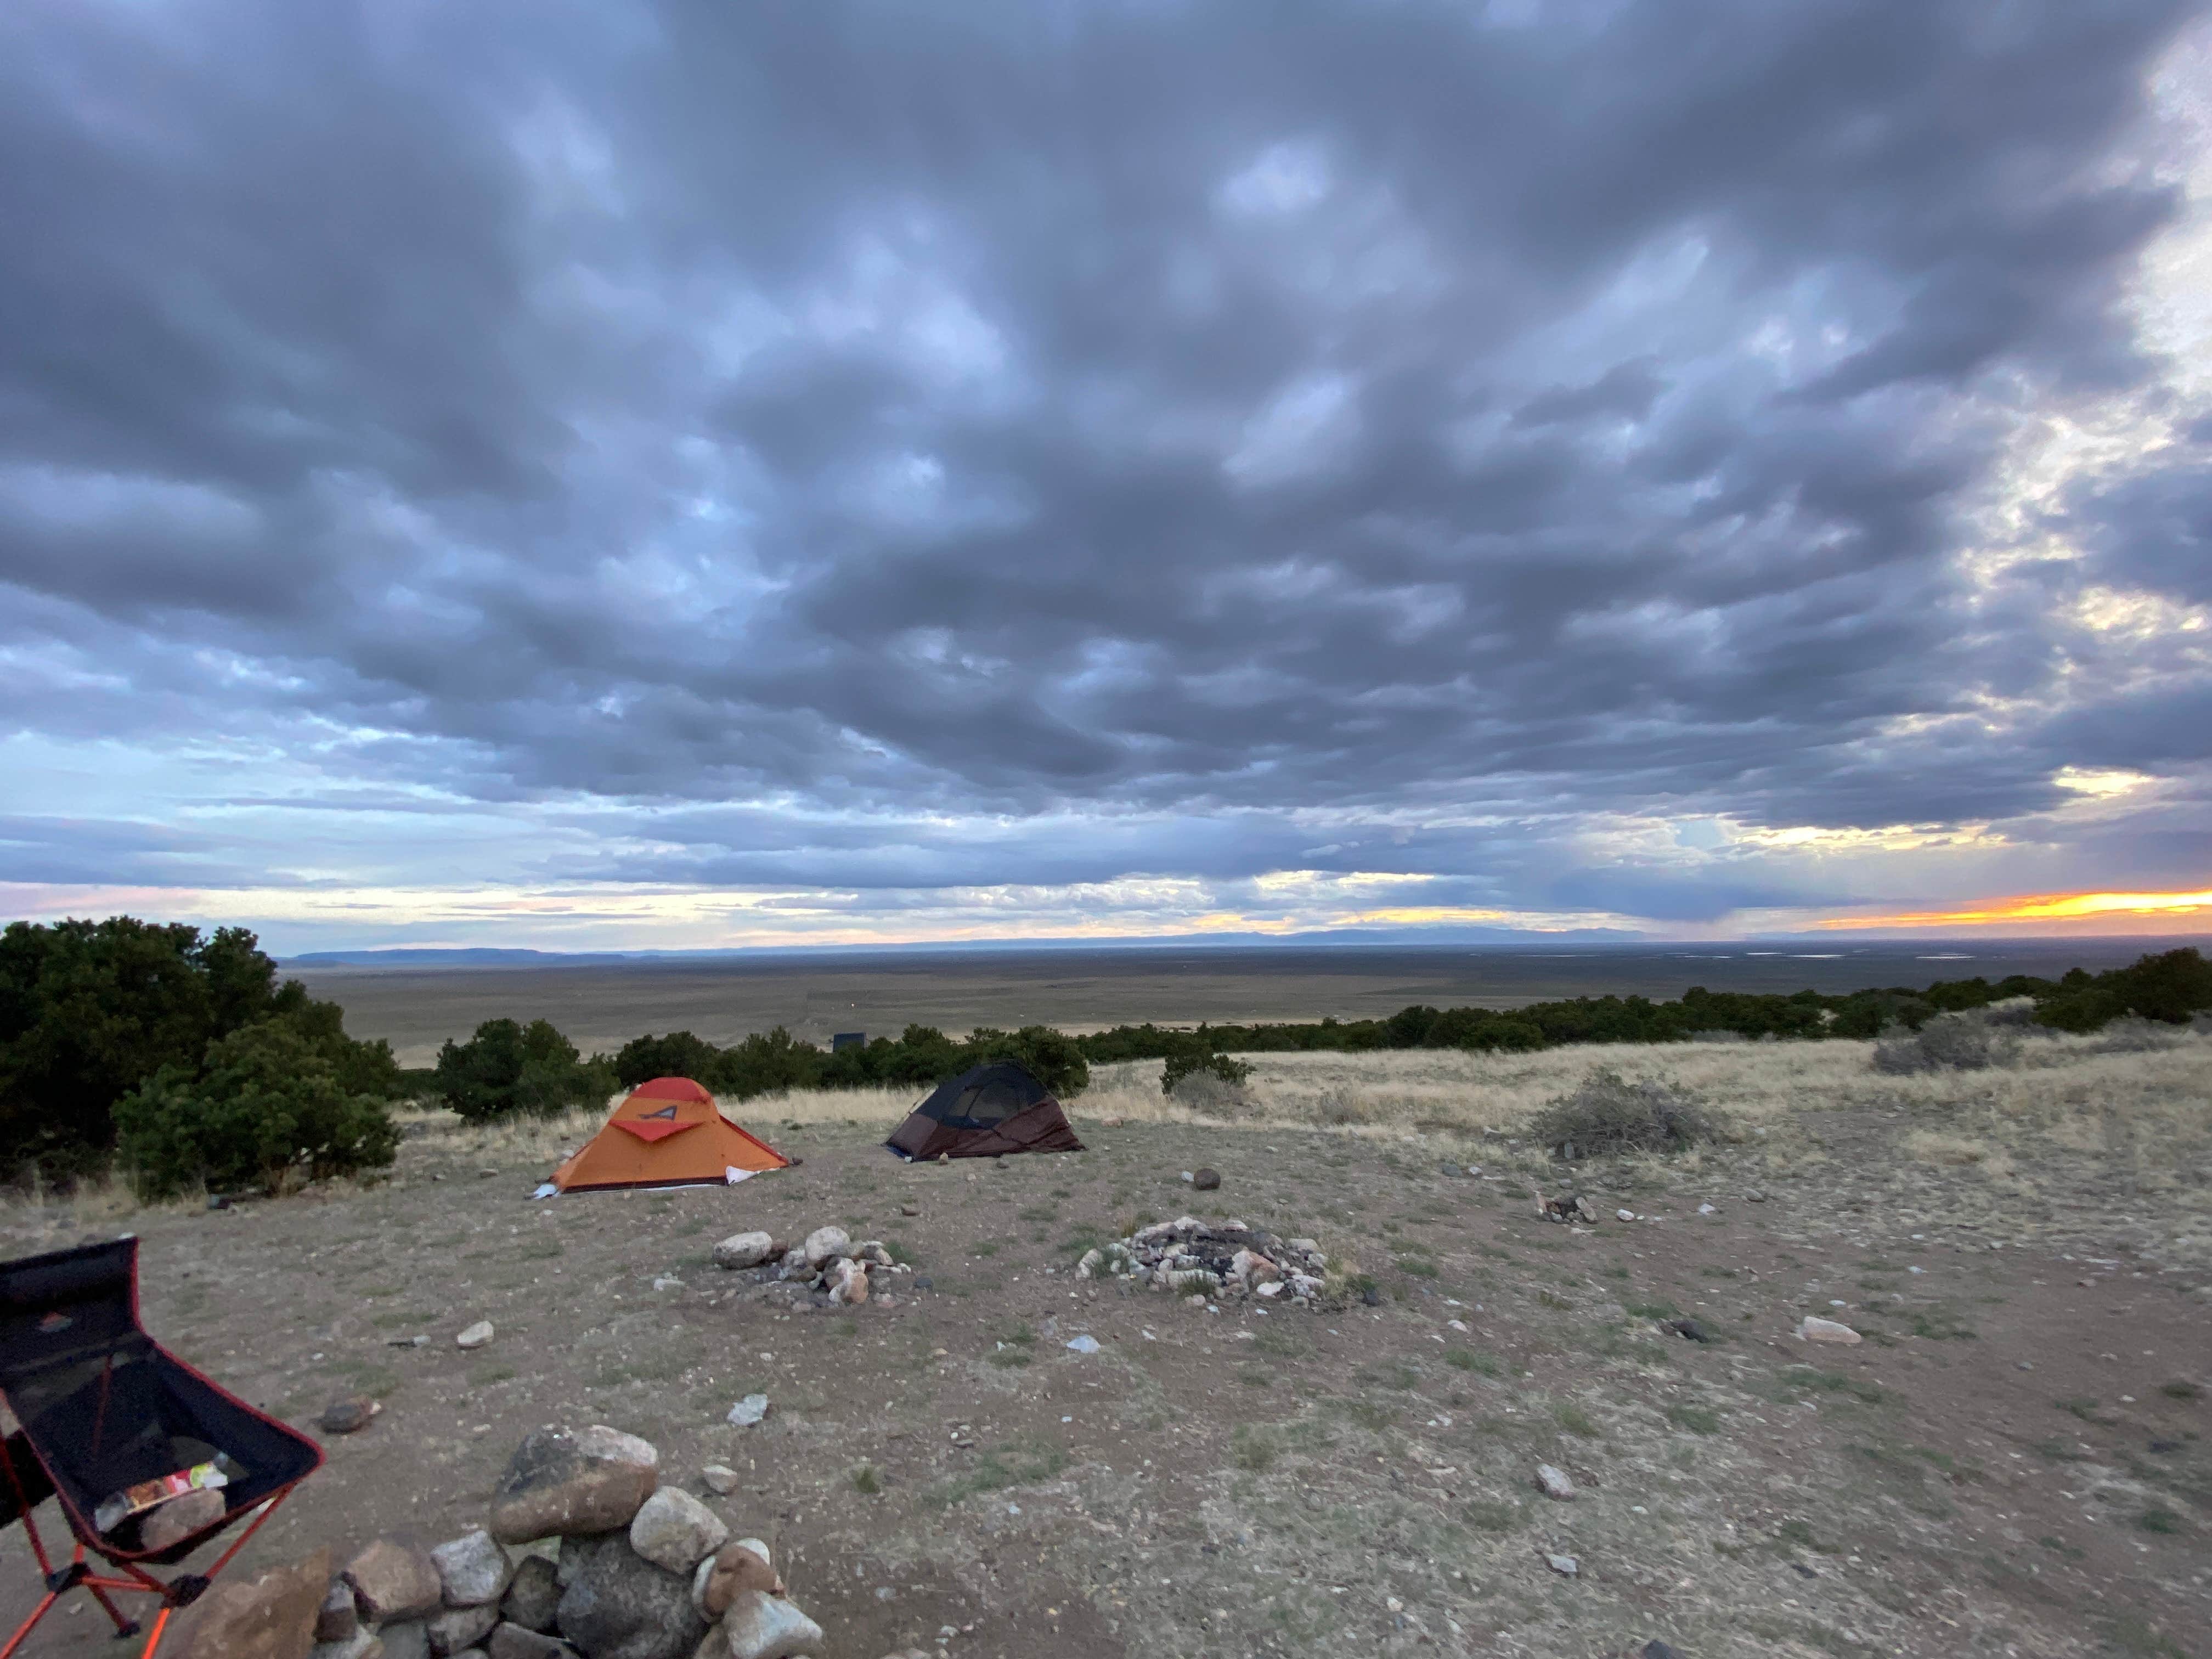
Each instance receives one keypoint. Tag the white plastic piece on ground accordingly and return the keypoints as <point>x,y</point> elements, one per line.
<point>545,1190</point>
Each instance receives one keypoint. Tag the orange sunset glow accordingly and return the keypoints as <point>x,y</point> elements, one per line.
<point>2041,907</point>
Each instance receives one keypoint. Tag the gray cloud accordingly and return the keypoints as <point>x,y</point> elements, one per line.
<point>1110,429</point>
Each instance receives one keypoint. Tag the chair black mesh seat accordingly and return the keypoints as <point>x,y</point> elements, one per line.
<point>102,1406</point>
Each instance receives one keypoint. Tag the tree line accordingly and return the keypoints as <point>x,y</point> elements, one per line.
<point>185,1060</point>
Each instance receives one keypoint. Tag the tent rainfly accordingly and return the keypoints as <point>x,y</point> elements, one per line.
<point>668,1133</point>
<point>987,1111</point>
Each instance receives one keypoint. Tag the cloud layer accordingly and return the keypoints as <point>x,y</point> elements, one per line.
<point>1611,460</point>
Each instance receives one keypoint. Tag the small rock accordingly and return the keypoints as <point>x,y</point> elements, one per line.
<point>272,1617</point>
<point>407,1639</point>
<point>741,1250</point>
<point>409,1342</point>
<point>1449,1169</point>
<point>346,1416</point>
<point>729,1572</point>
<point>675,1531</point>
<point>361,1644</point>
<point>513,1642</point>
<point>560,1483</point>
<point>718,1479</point>
<point>394,1581</point>
<point>1566,1565</point>
<point>1827,1330</point>
<point>337,1619</point>
<point>180,1517</point>
<point>2025,1366</point>
<point>848,1282</point>
<point>760,1627</point>
<point>534,1596</point>
<point>1655,1649</point>
<point>1706,1209</point>
<point>458,1629</point>
<point>1554,1482</point>
<point>1624,1215</point>
<point>1205,1181</point>
<point>824,1242</point>
<point>1189,1174</point>
<point>1754,1198</point>
<point>748,1411</point>
<point>473,1571</point>
<point>1084,1345</point>
<point>1690,1330</point>
<point>909,1209</point>
<point>1371,1296</point>
<point>475,1336</point>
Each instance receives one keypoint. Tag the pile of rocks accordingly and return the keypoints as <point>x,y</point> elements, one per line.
<point>828,1265</point>
<point>617,1566</point>
<point>1213,1260</point>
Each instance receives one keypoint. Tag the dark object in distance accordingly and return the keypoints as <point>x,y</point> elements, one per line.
<point>1371,1296</point>
<point>346,1416</point>
<point>1655,1649</point>
<point>1690,1328</point>
<point>1207,1181</point>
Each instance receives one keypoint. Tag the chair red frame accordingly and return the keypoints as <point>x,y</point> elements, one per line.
<point>93,1292</point>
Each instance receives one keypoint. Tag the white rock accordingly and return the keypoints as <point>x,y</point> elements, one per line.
<point>473,1570</point>
<point>1084,1345</point>
<point>1554,1482</point>
<point>741,1250</point>
<point>1624,1215</point>
<point>1089,1265</point>
<point>1827,1330</point>
<point>1273,1287</point>
<point>475,1336</point>
<point>760,1627</point>
<point>675,1531</point>
<point>1707,1209</point>
<point>1566,1565</point>
<point>720,1479</point>
<point>824,1242</point>
<point>749,1410</point>
<point>1249,1267</point>
<point>1190,1175</point>
<point>849,1281</point>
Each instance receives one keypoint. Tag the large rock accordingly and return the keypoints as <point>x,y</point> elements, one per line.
<point>1554,1482</point>
<point>533,1598</point>
<point>409,1639</point>
<point>742,1250</point>
<point>271,1617</point>
<point>561,1484</point>
<point>458,1628</point>
<point>824,1242</point>
<point>393,1581</point>
<point>760,1627</point>
<point>512,1642</point>
<point>473,1571</point>
<point>1826,1330</point>
<point>619,1606</point>
<point>675,1531</point>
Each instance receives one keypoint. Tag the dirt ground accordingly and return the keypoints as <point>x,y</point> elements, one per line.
<point>2018,1459</point>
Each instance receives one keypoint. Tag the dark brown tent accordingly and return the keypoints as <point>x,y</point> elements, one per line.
<point>987,1111</point>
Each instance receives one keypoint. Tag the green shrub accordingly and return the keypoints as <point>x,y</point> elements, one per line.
<point>1948,1042</point>
<point>1606,1114</point>
<point>508,1070</point>
<point>1196,1061</point>
<point>269,1102</point>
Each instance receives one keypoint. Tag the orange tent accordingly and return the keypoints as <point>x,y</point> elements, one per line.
<point>668,1133</point>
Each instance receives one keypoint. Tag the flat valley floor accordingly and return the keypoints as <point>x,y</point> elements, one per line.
<point>2017,1461</point>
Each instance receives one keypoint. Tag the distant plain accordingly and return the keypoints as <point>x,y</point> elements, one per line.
<point>601,1005</point>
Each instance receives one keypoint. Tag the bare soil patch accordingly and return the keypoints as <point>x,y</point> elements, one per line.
<point>2017,1461</point>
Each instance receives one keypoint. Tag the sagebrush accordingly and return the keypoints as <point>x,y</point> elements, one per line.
<point>1606,1114</point>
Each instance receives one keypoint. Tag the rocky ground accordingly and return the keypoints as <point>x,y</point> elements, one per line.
<point>2016,1461</point>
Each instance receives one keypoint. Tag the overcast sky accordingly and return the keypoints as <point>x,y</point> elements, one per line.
<point>591,474</point>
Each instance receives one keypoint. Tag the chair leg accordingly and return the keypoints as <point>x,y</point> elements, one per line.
<point>153,1640</point>
<point>27,1625</point>
<point>124,1627</point>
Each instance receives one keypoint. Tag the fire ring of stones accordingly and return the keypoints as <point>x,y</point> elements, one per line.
<point>1214,1260</point>
<point>828,1268</point>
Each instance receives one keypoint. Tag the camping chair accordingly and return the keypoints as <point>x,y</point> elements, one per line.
<point>102,1406</point>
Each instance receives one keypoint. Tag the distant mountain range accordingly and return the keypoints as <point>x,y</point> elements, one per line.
<point>1390,939</point>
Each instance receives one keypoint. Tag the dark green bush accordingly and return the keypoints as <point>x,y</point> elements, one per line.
<point>678,1054</point>
<point>270,1102</point>
<point>510,1070</point>
<point>1194,1061</point>
<point>88,1010</point>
